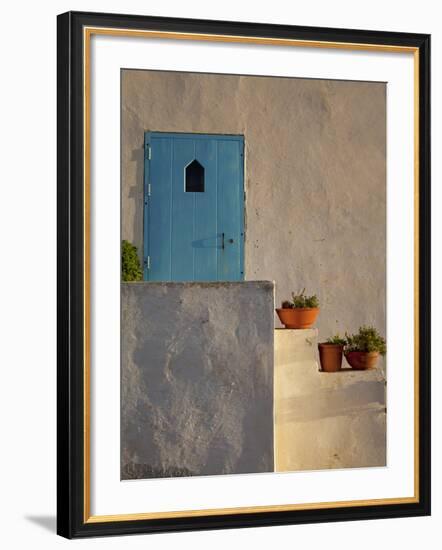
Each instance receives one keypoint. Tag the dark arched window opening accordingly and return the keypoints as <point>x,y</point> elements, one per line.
<point>194,177</point>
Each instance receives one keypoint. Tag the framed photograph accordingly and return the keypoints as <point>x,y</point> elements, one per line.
<point>243,274</point>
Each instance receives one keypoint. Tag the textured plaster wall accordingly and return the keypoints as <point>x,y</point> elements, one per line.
<point>197,379</point>
<point>325,420</point>
<point>315,177</point>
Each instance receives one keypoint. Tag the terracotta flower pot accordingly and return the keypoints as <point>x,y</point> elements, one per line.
<point>330,356</point>
<point>362,360</point>
<point>301,317</point>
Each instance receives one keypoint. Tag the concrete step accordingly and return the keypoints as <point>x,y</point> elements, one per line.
<point>324,420</point>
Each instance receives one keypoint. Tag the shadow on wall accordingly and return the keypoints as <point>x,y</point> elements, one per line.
<point>352,399</point>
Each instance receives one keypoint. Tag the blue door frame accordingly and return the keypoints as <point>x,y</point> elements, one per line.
<point>193,207</point>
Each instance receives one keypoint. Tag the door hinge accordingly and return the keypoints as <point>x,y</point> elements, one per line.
<point>147,152</point>
<point>147,194</point>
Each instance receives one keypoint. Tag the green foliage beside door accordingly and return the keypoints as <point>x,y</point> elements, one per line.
<point>130,263</point>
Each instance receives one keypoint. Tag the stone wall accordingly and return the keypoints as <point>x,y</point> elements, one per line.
<point>196,379</point>
<point>315,177</point>
<point>325,420</point>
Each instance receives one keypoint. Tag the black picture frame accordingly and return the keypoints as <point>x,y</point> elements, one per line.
<point>72,518</point>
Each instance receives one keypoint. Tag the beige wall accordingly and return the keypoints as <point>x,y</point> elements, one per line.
<point>315,172</point>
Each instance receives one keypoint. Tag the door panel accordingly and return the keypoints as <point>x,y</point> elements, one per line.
<point>194,234</point>
<point>183,211</point>
<point>158,221</point>
<point>206,242</point>
<point>228,203</point>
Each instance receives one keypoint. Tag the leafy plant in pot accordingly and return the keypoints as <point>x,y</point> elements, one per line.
<point>300,312</point>
<point>330,353</point>
<point>362,349</point>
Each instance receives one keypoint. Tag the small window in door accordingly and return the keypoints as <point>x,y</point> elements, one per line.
<point>194,175</point>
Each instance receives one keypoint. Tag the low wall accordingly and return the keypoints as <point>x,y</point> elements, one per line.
<point>196,378</point>
<point>325,420</point>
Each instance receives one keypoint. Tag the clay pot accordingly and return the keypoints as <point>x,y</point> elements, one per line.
<point>330,356</point>
<point>362,360</point>
<point>300,317</point>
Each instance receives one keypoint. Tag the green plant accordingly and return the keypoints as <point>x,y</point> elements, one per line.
<point>337,340</point>
<point>367,339</point>
<point>300,301</point>
<point>130,263</point>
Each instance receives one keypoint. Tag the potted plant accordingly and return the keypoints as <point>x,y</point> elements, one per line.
<point>362,349</point>
<point>300,312</point>
<point>330,353</point>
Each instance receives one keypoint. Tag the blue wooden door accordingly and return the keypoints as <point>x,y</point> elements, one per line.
<point>193,207</point>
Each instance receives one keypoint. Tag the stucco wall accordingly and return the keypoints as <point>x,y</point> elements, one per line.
<point>196,379</point>
<point>315,170</point>
<point>325,420</point>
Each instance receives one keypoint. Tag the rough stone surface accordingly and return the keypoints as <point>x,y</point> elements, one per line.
<point>196,379</point>
<point>315,178</point>
<point>325,420</point>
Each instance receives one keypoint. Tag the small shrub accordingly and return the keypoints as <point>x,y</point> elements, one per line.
<point>367,339</point>
<point>337,340</point>
<point>130,263</point>
<point>300,301</point>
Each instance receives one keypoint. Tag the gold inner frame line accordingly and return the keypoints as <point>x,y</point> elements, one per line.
<point>134,33</point>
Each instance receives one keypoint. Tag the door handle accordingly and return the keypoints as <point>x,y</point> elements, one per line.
<point>231,241</point>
